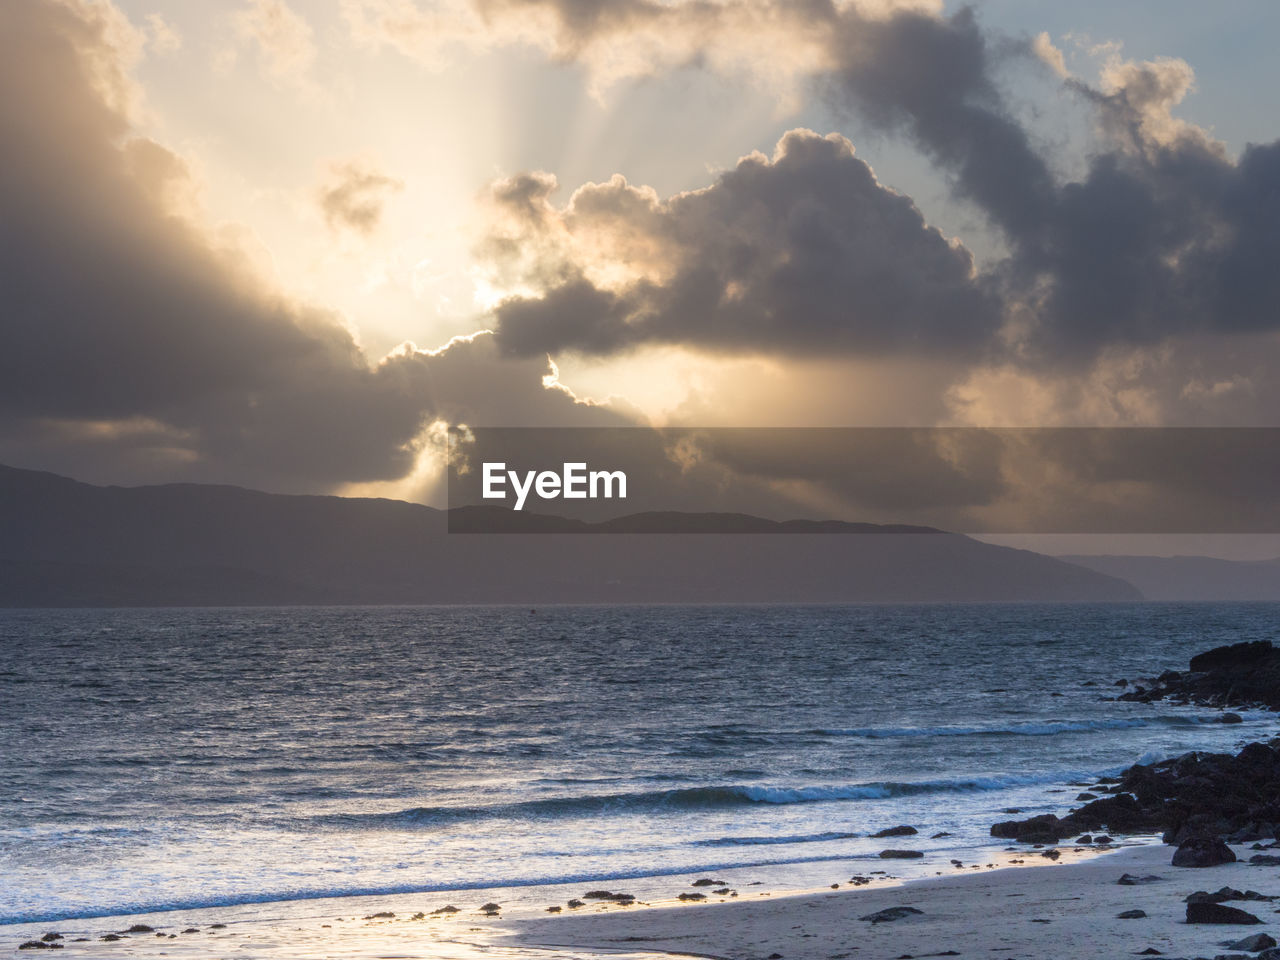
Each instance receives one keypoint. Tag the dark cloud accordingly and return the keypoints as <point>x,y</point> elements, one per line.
<point>1165,236</point>
<point>934,79</point>
<point>135,345</point>
<point>353,194</point>
<point>802,253</point>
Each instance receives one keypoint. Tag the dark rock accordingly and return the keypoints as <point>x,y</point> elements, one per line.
<point>191,930</point>
<point>890,914</point>
<point>1264,860</point>
<point>1230,718</point>
<point>490,908</point>
<point>1102,838</point>
<point>111,937</point>
<point>609,895</point>
<point>1051,854</point>
<point>446,909</point>
<point>939,836</point>
<point>1202,851</point>
<point>575,904</point>
<point>1046,828</point>
<point>33,945</point>
<point>1217,913</point>
<point>692,896</point>
<point>1131,915</point>
<point>382,915</point>
<point>705,882</point>
<point>217,926</point>
<point>725,891</point>
<point>1240,674</point>
<point>553,909</point>
<point>902,831</point>
<point>1129,880</point>
<point>1236,655</point>
<point>1081,798</point>
<point>1259,941</point>
<point>140,928</point>
<point>900,854</point>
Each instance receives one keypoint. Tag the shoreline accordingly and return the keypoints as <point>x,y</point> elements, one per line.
<point>1065,911</point>
<point>362,925</point>
<point>1062,909</point>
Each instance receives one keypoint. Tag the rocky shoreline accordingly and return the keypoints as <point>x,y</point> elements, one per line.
<point>1200,802</point>
<point>1198,795</point>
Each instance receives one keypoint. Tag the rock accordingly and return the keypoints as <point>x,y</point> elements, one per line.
<point>1082,797</point>
<point>111,937</point>
<point>575,904</point>
<point>1200,912</point>
<point>1129,880</point>
<point>725,891</point>
<point>1131,915</point>
<point>1240,674</point>
<point>692,896</point>
<point>1202,851</point>
<point>939,836</point>
<point>1259,941</point>
<point>553,909</point>
<point>381,915</point>
<point>1086,838</point>
<point>1230,718</point>
<point>141,928</point>
<point>1102,838</point>
<point>33,945</point>
<point>1246,654</point>
<point>902,831</point>
<point>1224,894</point>
<point>1264,860</point>
<point>704,882</point>
<point>490,909</point>
<point>1051,854</point>
<point>890,914</point>
<point>51,937</point>
<point>1045,828</point>
<point>446,909</point>
<point>191,930</point>
<point>900,854</point>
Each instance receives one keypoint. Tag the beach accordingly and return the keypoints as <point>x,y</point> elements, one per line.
<point>1066,910</point>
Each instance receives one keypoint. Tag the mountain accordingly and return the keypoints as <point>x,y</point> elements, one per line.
<point>1191,578</point>
<point>65,543</point>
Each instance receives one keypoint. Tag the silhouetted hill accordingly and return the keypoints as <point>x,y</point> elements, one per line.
<point>1191,578</point>
<point>64,543</point>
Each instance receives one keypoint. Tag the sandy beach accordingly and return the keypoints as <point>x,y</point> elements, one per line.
<point>1062,910</point>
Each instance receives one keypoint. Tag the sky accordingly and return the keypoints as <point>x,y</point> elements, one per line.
<point>288,243</point>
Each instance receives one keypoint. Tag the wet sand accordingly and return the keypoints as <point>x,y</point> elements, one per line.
<point>1063,909</point>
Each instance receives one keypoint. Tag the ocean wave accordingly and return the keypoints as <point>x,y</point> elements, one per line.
<point>138,906</point>
<point>1033,729</point>
<point>770,841</point>
<point>682,799</point>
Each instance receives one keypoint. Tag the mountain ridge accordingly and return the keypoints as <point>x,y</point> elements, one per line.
<point>67,543</point>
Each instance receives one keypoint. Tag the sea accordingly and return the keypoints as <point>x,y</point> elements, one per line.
<point>172,759</point>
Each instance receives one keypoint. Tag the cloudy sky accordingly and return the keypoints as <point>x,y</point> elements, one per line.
<point>284,243</point>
